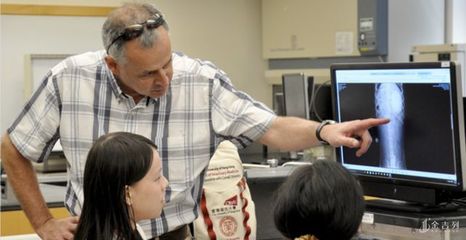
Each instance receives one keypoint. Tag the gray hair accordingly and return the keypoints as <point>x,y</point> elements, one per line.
<point>120,18</point>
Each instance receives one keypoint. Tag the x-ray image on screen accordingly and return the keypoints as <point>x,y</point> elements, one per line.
<point>389,103</point>
<point>418,134</point>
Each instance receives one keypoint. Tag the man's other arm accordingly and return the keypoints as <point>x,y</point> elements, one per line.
<point>23,179</point>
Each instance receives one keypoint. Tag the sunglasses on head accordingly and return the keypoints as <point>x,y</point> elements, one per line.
<point>133,31</point>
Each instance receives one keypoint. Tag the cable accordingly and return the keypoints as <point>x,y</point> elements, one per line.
<point>381,59</point>
<point>460,201</point>
<point>313,98</point>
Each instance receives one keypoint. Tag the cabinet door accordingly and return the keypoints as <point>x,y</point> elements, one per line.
<point>15,222</point>
<point>304,28</point>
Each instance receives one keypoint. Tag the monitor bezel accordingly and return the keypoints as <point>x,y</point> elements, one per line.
<point>458,116</point>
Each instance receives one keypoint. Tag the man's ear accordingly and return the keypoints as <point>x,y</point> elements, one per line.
<point>112,65</point>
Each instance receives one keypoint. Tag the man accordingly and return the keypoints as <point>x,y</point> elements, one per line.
<point>138,85</point>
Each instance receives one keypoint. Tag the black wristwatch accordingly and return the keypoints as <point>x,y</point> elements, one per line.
<point>319,129</point>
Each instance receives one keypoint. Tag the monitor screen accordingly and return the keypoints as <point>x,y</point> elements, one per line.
<point>424,142</point>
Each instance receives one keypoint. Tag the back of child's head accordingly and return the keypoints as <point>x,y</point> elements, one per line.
<point>322,199</point>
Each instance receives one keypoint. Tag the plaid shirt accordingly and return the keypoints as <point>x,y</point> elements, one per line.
<point>79,100</point>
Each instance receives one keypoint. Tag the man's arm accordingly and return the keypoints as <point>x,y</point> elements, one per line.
<point>291,134</point>
<point>24,182</point>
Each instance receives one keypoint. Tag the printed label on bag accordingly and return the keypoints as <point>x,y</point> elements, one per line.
<point>230,206</point>
<point>228,225</point>
<point>222,173</point>
<point>233,201</point>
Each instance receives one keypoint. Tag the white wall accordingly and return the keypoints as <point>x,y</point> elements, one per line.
<point>23,35</point>
<point>225,32</point>
<point>413,22</point>
<point>458,17</point>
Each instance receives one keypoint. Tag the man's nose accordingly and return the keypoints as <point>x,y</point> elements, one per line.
<point>162,77</point>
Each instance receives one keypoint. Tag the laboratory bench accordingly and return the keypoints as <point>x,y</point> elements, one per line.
<point>52,186</point>
<point>14,220</point>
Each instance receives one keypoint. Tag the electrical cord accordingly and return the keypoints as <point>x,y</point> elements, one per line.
<point>313,100</point>
<point>460,201</point>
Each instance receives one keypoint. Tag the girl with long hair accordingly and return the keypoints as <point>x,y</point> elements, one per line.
<point>123,184</point>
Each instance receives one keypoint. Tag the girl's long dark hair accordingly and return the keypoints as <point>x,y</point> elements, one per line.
<point>116,160</point>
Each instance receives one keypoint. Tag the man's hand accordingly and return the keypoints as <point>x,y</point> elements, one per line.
<point>58,229</point>
<point>352,134</point>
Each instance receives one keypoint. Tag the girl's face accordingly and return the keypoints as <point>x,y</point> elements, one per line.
<point>147,196</point>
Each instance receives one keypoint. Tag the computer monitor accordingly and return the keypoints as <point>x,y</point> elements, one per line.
<point>296,94</point>
<point>420,155</point>
<point>296,98</point>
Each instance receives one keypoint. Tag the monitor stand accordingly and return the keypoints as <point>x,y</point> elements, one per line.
<point>395,205</point>
<point>293,156</point>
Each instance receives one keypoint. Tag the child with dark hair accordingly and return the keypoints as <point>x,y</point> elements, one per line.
<point>320,201</point>
<point>123,184</point>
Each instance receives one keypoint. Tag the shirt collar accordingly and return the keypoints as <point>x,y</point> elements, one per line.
<point>111,79</point>
<point>141,232</point>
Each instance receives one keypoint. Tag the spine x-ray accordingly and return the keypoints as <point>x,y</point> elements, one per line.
<point>389,103</point>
